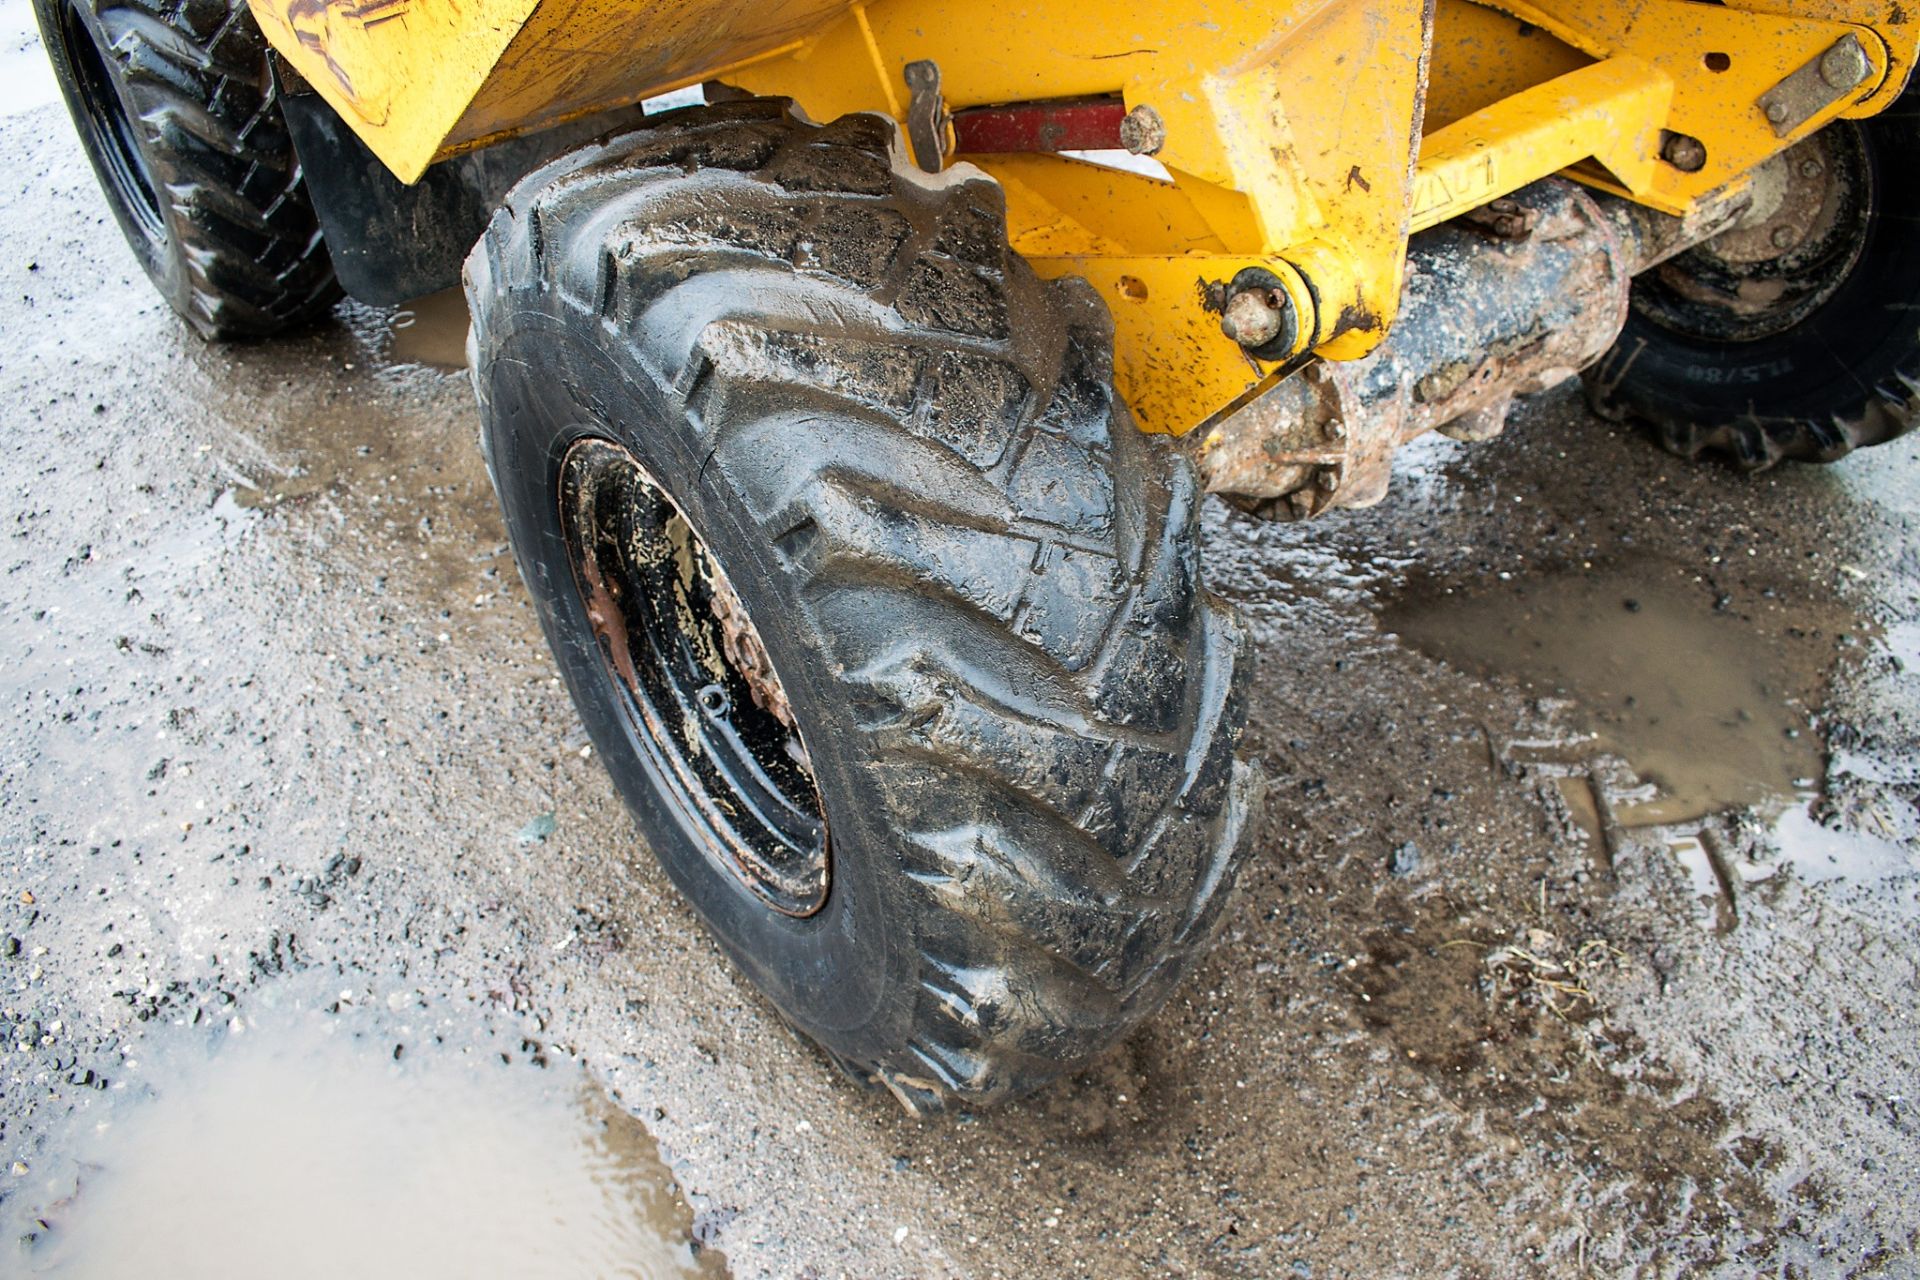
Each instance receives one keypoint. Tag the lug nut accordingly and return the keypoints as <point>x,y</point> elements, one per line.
<point>1810,169</point>
<point>1255,317</point>
<point>1143,132</point>
<point>1783,237</point>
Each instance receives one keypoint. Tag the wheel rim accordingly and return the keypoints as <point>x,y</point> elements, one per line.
<point>692,680</point>
<point>111,132</point>
<point>1784,259</point>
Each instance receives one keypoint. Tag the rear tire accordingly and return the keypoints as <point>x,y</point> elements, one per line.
<point>177,109</point>
<point>973,577</point>
<point>1740,350</point>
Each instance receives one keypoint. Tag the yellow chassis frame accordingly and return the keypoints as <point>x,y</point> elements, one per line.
<point>1305,137</point>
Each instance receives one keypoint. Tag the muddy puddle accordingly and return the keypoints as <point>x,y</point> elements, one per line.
<point>431,331</point>
<point>1710,700</point>
<point>1673,702</point>
<point>305,1144</point>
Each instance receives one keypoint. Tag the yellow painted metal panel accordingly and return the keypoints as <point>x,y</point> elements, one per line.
<point>580,55</point>
<point>1609,111</point>
<point>1304,113</point>
<point>401,72</point>
<point>1714,99</point>
<point>1151,254</point>
<point>1481,56</point>
<point>420,79</point>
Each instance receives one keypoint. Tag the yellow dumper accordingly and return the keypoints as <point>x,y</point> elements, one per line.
<point>851,417</point>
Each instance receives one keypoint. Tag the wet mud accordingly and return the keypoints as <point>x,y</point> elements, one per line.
<point>430,331</point>
<point>1559,953</point>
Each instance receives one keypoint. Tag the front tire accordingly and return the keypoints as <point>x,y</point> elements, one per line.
<point>177,109</point>
<point>817,400</point>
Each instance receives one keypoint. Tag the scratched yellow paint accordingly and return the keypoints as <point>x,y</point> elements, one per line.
<point>1718,105</point>
<point>1610,111</point>
<point>420,79</point>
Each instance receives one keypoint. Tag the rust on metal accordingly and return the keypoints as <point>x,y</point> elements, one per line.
<point>742,645</point>
<point>1827,79</point>
<point>605,613</point>
<point>1524,299</point>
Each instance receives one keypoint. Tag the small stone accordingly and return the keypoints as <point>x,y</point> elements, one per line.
<point>11,947</point>
<point>900,1235</point>
<point>1405,860</point>
<point>538,829</point>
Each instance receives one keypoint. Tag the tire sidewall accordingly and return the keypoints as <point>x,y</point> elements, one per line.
<point>1859,339</point>
<point>845,975</point>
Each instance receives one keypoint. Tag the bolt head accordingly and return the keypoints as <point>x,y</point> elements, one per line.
<point>1685,153</point>
<point>1143,132</point>
<point>1254,317</point>
<point>1783,237</point>
<point>1811,169</point>
<point>1776,112</point>
<point>1845,65</point>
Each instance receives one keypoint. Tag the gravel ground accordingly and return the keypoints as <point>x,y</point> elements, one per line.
<point>1489,1004</point>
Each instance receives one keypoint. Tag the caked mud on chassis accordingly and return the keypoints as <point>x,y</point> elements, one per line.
<point>856,483</point>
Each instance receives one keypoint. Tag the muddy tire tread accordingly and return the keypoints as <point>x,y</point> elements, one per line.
<point>250,256</point>
<point>1754,441</point>
<point>1070,848</point>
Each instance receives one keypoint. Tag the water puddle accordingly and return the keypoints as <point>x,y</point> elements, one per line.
<point>1709,700</point>
<point>301,1146</point>
<point>1818,852</point>
<point>431,331</point>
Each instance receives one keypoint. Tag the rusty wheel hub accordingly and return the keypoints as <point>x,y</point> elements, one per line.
<point>1786,255</point>
<point>692,679</point>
